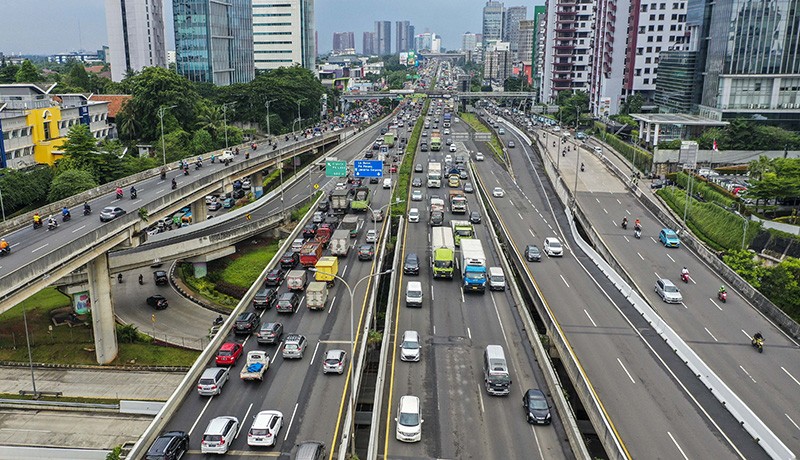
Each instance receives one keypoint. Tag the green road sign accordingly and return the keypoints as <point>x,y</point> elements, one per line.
<point>335,168</point>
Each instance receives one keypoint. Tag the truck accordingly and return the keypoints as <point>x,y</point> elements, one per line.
<point>316,295</point>
<point>296,280</point>
<point>473,265</point>
<point>327,267</point>
<point>458,202</point>
<point>461,229</point>
<point>257,363</point>
<point>447,118</point>
<point>389,139</point>
<point>361,199</point>
<point>436,217</point>
<point>340,243</point>
<point>453,179</point>
<point>436,141</point>
<point>323,234</point>
<point>310,253</point>
<point>352,224</point>
<point>340,200</point>
<point>434,174</point>
<point>444,249</point>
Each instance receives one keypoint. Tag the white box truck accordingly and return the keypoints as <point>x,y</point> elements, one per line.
<point>340,243</point>
<point>317,295</point>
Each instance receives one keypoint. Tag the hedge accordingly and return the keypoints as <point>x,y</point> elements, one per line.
<point>405,173</point>
<point>644,159</point>
<point>707,190</point>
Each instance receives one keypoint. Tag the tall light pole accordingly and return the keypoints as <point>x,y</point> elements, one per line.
<point>299,124</point>
<point>351,291</point>
<point>266,104</point>
<point>225,121</point>
<point>161,116</point>
<point>375,222</point>
<point>3,208</point>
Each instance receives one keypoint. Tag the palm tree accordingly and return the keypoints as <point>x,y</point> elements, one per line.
<point>210,118</point>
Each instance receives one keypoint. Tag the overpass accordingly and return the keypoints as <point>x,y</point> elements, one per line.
<point>458,95</point>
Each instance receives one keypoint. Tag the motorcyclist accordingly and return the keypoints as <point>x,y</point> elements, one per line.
<point>86,208</point>
<point>37,219</point>
<point>174,183</point>
<point>757,336</point>
<point>582,167</point>
<point>163,173</point>
<point>51,222</point>
<point>119,192</point>
<point>133,191</point>
<point>685,271</point>
<point>637,224</point>
<point>722,290</point>
<point>3,245</point>
<point>624,222</point>
<point>64,211</point>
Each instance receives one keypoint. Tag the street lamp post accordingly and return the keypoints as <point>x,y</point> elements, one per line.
<point>2,207</point>
<point>375,222</point>
<point>225,121</point>
<point>161,116</point>
<point>299,119</point>
<point>266,104</point>
<point>351,291</point>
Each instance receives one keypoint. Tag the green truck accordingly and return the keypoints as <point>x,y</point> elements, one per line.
<point>361,199</point>
<point>390,138</point>
<point>444,250</point>
<point>461,229</point>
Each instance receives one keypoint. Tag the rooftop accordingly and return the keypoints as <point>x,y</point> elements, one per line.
<point>677,119</point>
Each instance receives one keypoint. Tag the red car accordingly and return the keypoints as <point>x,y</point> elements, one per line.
<point>393,169</point>
<point>228,353</point>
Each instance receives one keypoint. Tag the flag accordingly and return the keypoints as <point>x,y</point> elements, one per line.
<point>716,149</point>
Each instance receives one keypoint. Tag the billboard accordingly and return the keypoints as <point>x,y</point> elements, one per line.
<point>403,58</point>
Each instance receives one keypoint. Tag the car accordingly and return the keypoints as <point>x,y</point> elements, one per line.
<point>270,333</point>
<point>418,167</point>
<point>453,148</point>
<point>409,419</point>
<point>294,346</point>
<point>475,217</point>
<point>446,131</point>
<point>479,156</point>
<point>411,264</point>
<point>417,182</point>
<point>532,253</point>
<point>462,174</point>
<point>334,361</point>
<point>157,301</point>
<point>324,206</point>
<point>424,134</point>
<point>377,216</point>
<point>237,184</point>
<point>211,198</point>
<point>669,238</point>
<point>246,184</point>
<point>212,380</point>
<point>392,169</point>
<point>553,247</point>
<point>667,290</point>
<point>214,206</point>
<point>413,215</point>
<point>374,180</point>
<point>110,213</point>
<point>237,193</point>
<point>219,435</point>
<point>309,230</point>
<point>468,187</point>
<point>448,141</point>
<point>436,218</point>
<point>501,131</point>
<point>288,302</point>
<point>318,218</point>
<point>448,158</point>
<point>372,236</point>
<point>387,182</point>
<point>160,277</point>
<point>246,323</point>
<point>228,354</point>
<point>410,348</point>
<point>310,450</point>
<point>297,245</point>
<point>498,192</point>
<point>511,144</point>
<point>289,259</point>
<point>416,195</point>
<point>265,298</point>
<point>275,277</point>
<point>228,203</point>
<point>265,428</point>
<point>423,147</point>
<point>535,406</point>
<point>366,252</point>
<point>171,445</point>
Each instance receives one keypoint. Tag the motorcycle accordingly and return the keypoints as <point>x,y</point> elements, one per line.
<point>163,174</point>
<point>52,225</point>
<point>722,296</point>
<point>174,185</point>
<point>133,194</point>
<point>685,277</point>
<point>5,251</point>
<point>37,224</point>
<point>758,344</point>
<point>119,278</point>
<point>120,195</point>
<point>141,279</point>
<point>66,217</point>
<point>218,321</point>
<point>637,233</point>
<point>87,211</point>
<point>624,224</point>
<point>185,171</point>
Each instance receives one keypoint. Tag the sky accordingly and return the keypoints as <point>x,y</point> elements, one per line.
<point>53,26</point>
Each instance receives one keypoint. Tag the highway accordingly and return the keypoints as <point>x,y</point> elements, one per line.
<point>313,404</point>
<point>654,402</point>
<point>718,332</point>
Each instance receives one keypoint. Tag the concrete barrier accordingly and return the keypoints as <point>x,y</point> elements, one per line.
<point>38,453</point>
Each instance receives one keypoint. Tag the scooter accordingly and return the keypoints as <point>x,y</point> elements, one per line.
<point>6,251</point>
<point>133,194</point>
<point>52,225</point>
<point>185,171</point>
<point>758,344</point>
<point>685,277</point>
<point>87,211</point>
<point>66,217</point>
<point>120,195</point>
<point>119,278</point>
<point>624,224</point>
<point>37,224</point>
<point>722,296</point>
<point>141,279</point>
<point>637,233</point>
<point>174,185</point>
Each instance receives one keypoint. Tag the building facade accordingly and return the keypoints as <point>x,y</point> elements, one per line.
<point>675,88</point>
<point>511,19</point>
<point>539,34</point>
<point>368,44</point>
<point>403,39</point>
<point>469,42</point>
<point>492,21</point>
<point>497,61</point>
<point>284,34</point>
<point>383,36</point>
<point>135,35</point>
<point>568,49</point>
<point>343,41</point>
<point>426,42</point>
<point>214,41</point>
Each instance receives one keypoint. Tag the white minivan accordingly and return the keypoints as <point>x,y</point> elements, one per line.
<point>414,294</point>
<point>387,183</point>
<point>497,279</point>
<point>409,419</point>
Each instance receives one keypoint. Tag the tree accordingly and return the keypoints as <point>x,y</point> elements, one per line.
<point>202,142</point>
<point>8,73</point>
<point>77,77</point>
<point>28,73</point>
<point>210,119</point>
<point>81,152</point>
<point>70,182</point>
<point>742,262</point>
<point>632,104</point>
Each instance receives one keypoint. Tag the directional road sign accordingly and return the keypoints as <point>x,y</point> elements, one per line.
<point>461,137</point>
<point>483,137</point>
<point>335,168</point>
<point>368,168</point>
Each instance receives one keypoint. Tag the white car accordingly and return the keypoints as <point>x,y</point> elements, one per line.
<point>553,247</point>
<point>372,236</point>
<point>413,215</point>
<point>452,147</point>
<point>265,428</point>
<point>498,192</point>
<point>387,183</point>
<point>448,158</point>
<point>416,195</point>
<point>479,156</point>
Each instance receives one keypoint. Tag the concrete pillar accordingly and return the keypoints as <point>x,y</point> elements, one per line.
<point>103,325</point>
<point>199,210</point>
<point>257,180</point>
<point>200,269</point>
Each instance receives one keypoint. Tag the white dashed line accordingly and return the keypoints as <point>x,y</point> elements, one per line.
<point>590,318</point>
<point>626,370</point>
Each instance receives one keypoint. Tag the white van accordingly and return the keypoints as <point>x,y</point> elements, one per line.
<point>497,279</point>
<point>387,183</point>
<point>409,420</point>
<point>414,294</point>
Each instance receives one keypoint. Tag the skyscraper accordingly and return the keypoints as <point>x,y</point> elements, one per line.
<point>368,44</point>
<point>214,41</point>
<point>383,34</point>
<point>469,42</point>
<point>343,41</point>
<point>411,35</point>
<point>284,33</point>
<point>492,21</point>
<point>511,18</point>
<point>135,35</point>
<point>403,42</point>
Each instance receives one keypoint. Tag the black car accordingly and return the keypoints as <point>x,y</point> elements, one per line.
<point>238,193</point>
<point>160,277</point>
<point>366,252</point>
<point>475,217</point>
<point>417,182</point>
<point>373,180</point>
<point>536,408</point>
<point>275,277</point>
<point>423,147</point>
<point>171,445</point>
<point>265,298</point>
<point>246,323</point>
<point>532,253</point>
<point>157,301</point>
<point>289,259</point>
<point>288,302</point>
<point>437,219</point>
<point>369,154</point>
<point>411,265</point>
<point>309,231</point>
<point>324,206</point>
<point>270,333</point>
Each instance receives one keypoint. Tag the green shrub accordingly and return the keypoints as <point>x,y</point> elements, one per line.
<point>405,172</point>
<point>642,159</point>
<point>708,190</point>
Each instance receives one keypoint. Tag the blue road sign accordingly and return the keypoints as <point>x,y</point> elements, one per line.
<point>368,168</point>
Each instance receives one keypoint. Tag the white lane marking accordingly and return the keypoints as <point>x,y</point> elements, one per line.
<point>790,419</point>
<point>333,302</point>
<point>345,267</point>
<point>597,199</point>
<point>41,247</point>
<point>745,333</point>
<point>677,445</point>
<point>79,228</point>
<point>434,330</point>
<point>28,431</point>
<point>670,258</point>
<point>629,213</point>
<point>243,418</point>
<point>748,374</point>
<point>626,239</point>
<point>469,334</point>
<point>619,201</point>
<point>626,370</point>
<point>590,318</point>
<point>497,312</point>
<point>294,196</point>
<point>790,375</point>
<point>314,355</point>
<point>159,192</point>
<point>462,295</point>
<point>200,415</point>
<point>640,256</point>
<point>712,335</point>
<point>291,420</point>
<point>605,210</point>
<point>432,298</point>
<point>520,216</point>
<point>531,232</point>
<point>564,280</point>
<point>277,350</point>
<point>716,304</point>
<point>684,305</point>
<point>480,399</point>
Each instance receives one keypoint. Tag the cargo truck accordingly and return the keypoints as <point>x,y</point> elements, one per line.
<point>389,139</point>
<point>316,295</point>
<point>444,249</point>
<point>461,229</point>
<point>257,363</point>
<point>434,175</point>
<point>473,266</point>
<point>458,202</point>
<point>323,234</point>
<point>361,199</point>
<point>340,243</point>
<point>296,280</point>
<point>327,267</point>
<point>340,200</point>
<point>350,223</point>
<point>436,141</point>
<point>310,254</point>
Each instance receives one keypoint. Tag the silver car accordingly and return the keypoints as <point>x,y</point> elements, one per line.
<point>334,361</point>
<point>668,292</point>
<point>410,347</point>
<point>416,195</point>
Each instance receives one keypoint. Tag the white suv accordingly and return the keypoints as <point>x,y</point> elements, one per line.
<point>219,435</point>
<point>553,247</point>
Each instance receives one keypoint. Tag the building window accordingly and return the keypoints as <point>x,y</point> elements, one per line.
<point>660,17</point>
<point>647,60</point>
<point>660,28</point>
<point>663,6</point>
<point>651,28</point>
<point>646,81</point>
<point>644,8</point>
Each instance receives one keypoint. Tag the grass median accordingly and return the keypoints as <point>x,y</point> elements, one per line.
<point>405,172</point>
<point>478,126</point>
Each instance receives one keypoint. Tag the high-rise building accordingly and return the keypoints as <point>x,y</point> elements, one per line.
<point>527,31</point>
<point>426,42</point>
<point>368,44</point>
<point>284,34</point>
<point>343,41</point>
<point>568,47</point>
<point>511,19</point>
<point>469,42</point>
<point>497,61</point>
<point>539,34</point>
<point>403,42</point>
<point>411,35</point>
<point>214,41</point>
<point>135,35</point>
<point>383,35</point>
<point>492,21</point>
<point>676,81</point>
